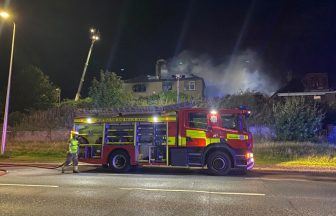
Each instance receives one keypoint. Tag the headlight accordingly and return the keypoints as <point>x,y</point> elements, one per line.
<point>249,155</point>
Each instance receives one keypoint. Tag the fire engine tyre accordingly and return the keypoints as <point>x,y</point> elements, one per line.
<point>119,162</point>
<point>219,163</point>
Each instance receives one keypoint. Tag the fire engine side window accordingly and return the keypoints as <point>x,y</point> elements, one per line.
<point>198,120</point>
<point>229,121</point>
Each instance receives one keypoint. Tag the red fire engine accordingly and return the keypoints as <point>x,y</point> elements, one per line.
<point>191,137</point>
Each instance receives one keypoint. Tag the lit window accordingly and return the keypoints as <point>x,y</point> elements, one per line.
<point>192,85</point>
<point>317,97</point>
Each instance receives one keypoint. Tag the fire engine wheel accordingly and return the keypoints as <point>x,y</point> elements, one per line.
<point>219,163</point>
<point>119,162</point>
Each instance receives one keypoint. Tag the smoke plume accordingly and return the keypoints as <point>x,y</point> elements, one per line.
<point>244,71</point>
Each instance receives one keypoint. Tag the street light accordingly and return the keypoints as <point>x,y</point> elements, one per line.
<point>178,77</point>
<point>6,15</point>
<point>58,92</point>
<point>95,35</point>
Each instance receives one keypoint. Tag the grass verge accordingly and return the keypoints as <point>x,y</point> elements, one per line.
<point>35,152</point>
<point>295,154</point>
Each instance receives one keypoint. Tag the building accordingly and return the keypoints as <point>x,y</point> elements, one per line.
<point>144,86</point>
<point>316,82</point>
<point>313,85</point>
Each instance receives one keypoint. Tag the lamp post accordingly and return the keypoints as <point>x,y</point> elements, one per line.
<point>6,15</point>
<point>58,91</point>
<point>178,77</point>
<point>95,35</point>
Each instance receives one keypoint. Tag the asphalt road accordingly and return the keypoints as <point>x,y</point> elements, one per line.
<point>34,191</point>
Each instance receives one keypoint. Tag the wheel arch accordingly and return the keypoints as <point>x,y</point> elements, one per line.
<point>218,147</point>
<point>118,150</point>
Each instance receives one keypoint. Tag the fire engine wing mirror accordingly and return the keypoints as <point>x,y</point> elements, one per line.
<point>209,129</point>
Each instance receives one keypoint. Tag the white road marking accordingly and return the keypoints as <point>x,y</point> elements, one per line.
<point>278,179</point>
<point>29,185</point>
<point>194,191</point>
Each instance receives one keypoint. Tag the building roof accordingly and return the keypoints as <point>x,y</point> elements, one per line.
<point>149,78</point>
<point>295,85</point>
<point>311,93</point>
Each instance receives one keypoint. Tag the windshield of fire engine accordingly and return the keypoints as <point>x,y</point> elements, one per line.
<point>234,122</point>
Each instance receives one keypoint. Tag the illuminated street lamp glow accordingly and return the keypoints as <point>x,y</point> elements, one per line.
<point>4,14</point>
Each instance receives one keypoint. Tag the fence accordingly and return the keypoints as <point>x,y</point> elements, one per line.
<point>39,136</point>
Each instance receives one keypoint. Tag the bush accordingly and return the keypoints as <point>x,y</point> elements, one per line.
<point>108,91</point>
<point>81,103</point>
<point>257,102</point>
<point>297,119</point>
<point>53,118</point>
<point>163,99</point>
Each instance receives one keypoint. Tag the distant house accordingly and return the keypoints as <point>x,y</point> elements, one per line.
<point>313,85</point>
<point>144,86</point>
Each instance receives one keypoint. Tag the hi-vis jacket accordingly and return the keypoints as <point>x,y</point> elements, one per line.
<point>73,146</point>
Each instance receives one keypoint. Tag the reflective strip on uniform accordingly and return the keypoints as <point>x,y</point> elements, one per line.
<point>73,146</point>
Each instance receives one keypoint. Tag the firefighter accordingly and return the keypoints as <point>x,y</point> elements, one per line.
<point>72,154</point>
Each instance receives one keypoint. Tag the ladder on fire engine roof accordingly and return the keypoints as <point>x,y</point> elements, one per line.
<point>131,110</point>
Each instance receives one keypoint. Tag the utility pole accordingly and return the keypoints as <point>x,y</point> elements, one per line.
<point>5,15</point>
<point>178,77</point>
<point>95,35</point>
<point>58,90</point>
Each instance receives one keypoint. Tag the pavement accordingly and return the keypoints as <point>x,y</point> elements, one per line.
<point>164,191</point>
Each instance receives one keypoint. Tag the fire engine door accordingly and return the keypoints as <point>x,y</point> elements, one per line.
<point>196,129</point>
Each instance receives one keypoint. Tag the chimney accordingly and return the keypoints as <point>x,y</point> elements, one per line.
<point>160,64</point>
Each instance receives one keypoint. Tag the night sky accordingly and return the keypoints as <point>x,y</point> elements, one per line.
<point>297,36</point>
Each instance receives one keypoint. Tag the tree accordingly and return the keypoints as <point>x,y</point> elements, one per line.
<point>297,119</point>
<point>32,89</point>
<point>163,99</point>
<point>257,102</point>
<point>108,91</point>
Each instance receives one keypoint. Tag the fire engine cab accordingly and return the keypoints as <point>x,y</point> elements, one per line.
<point>190,137</point>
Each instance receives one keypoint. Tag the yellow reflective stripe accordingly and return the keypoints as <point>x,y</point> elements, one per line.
<point>182,141</point>
<point>171,140</point>
<point>126,119</point>
<point>196,134</point>
<point>212,140</point>
<point>236,136</point>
